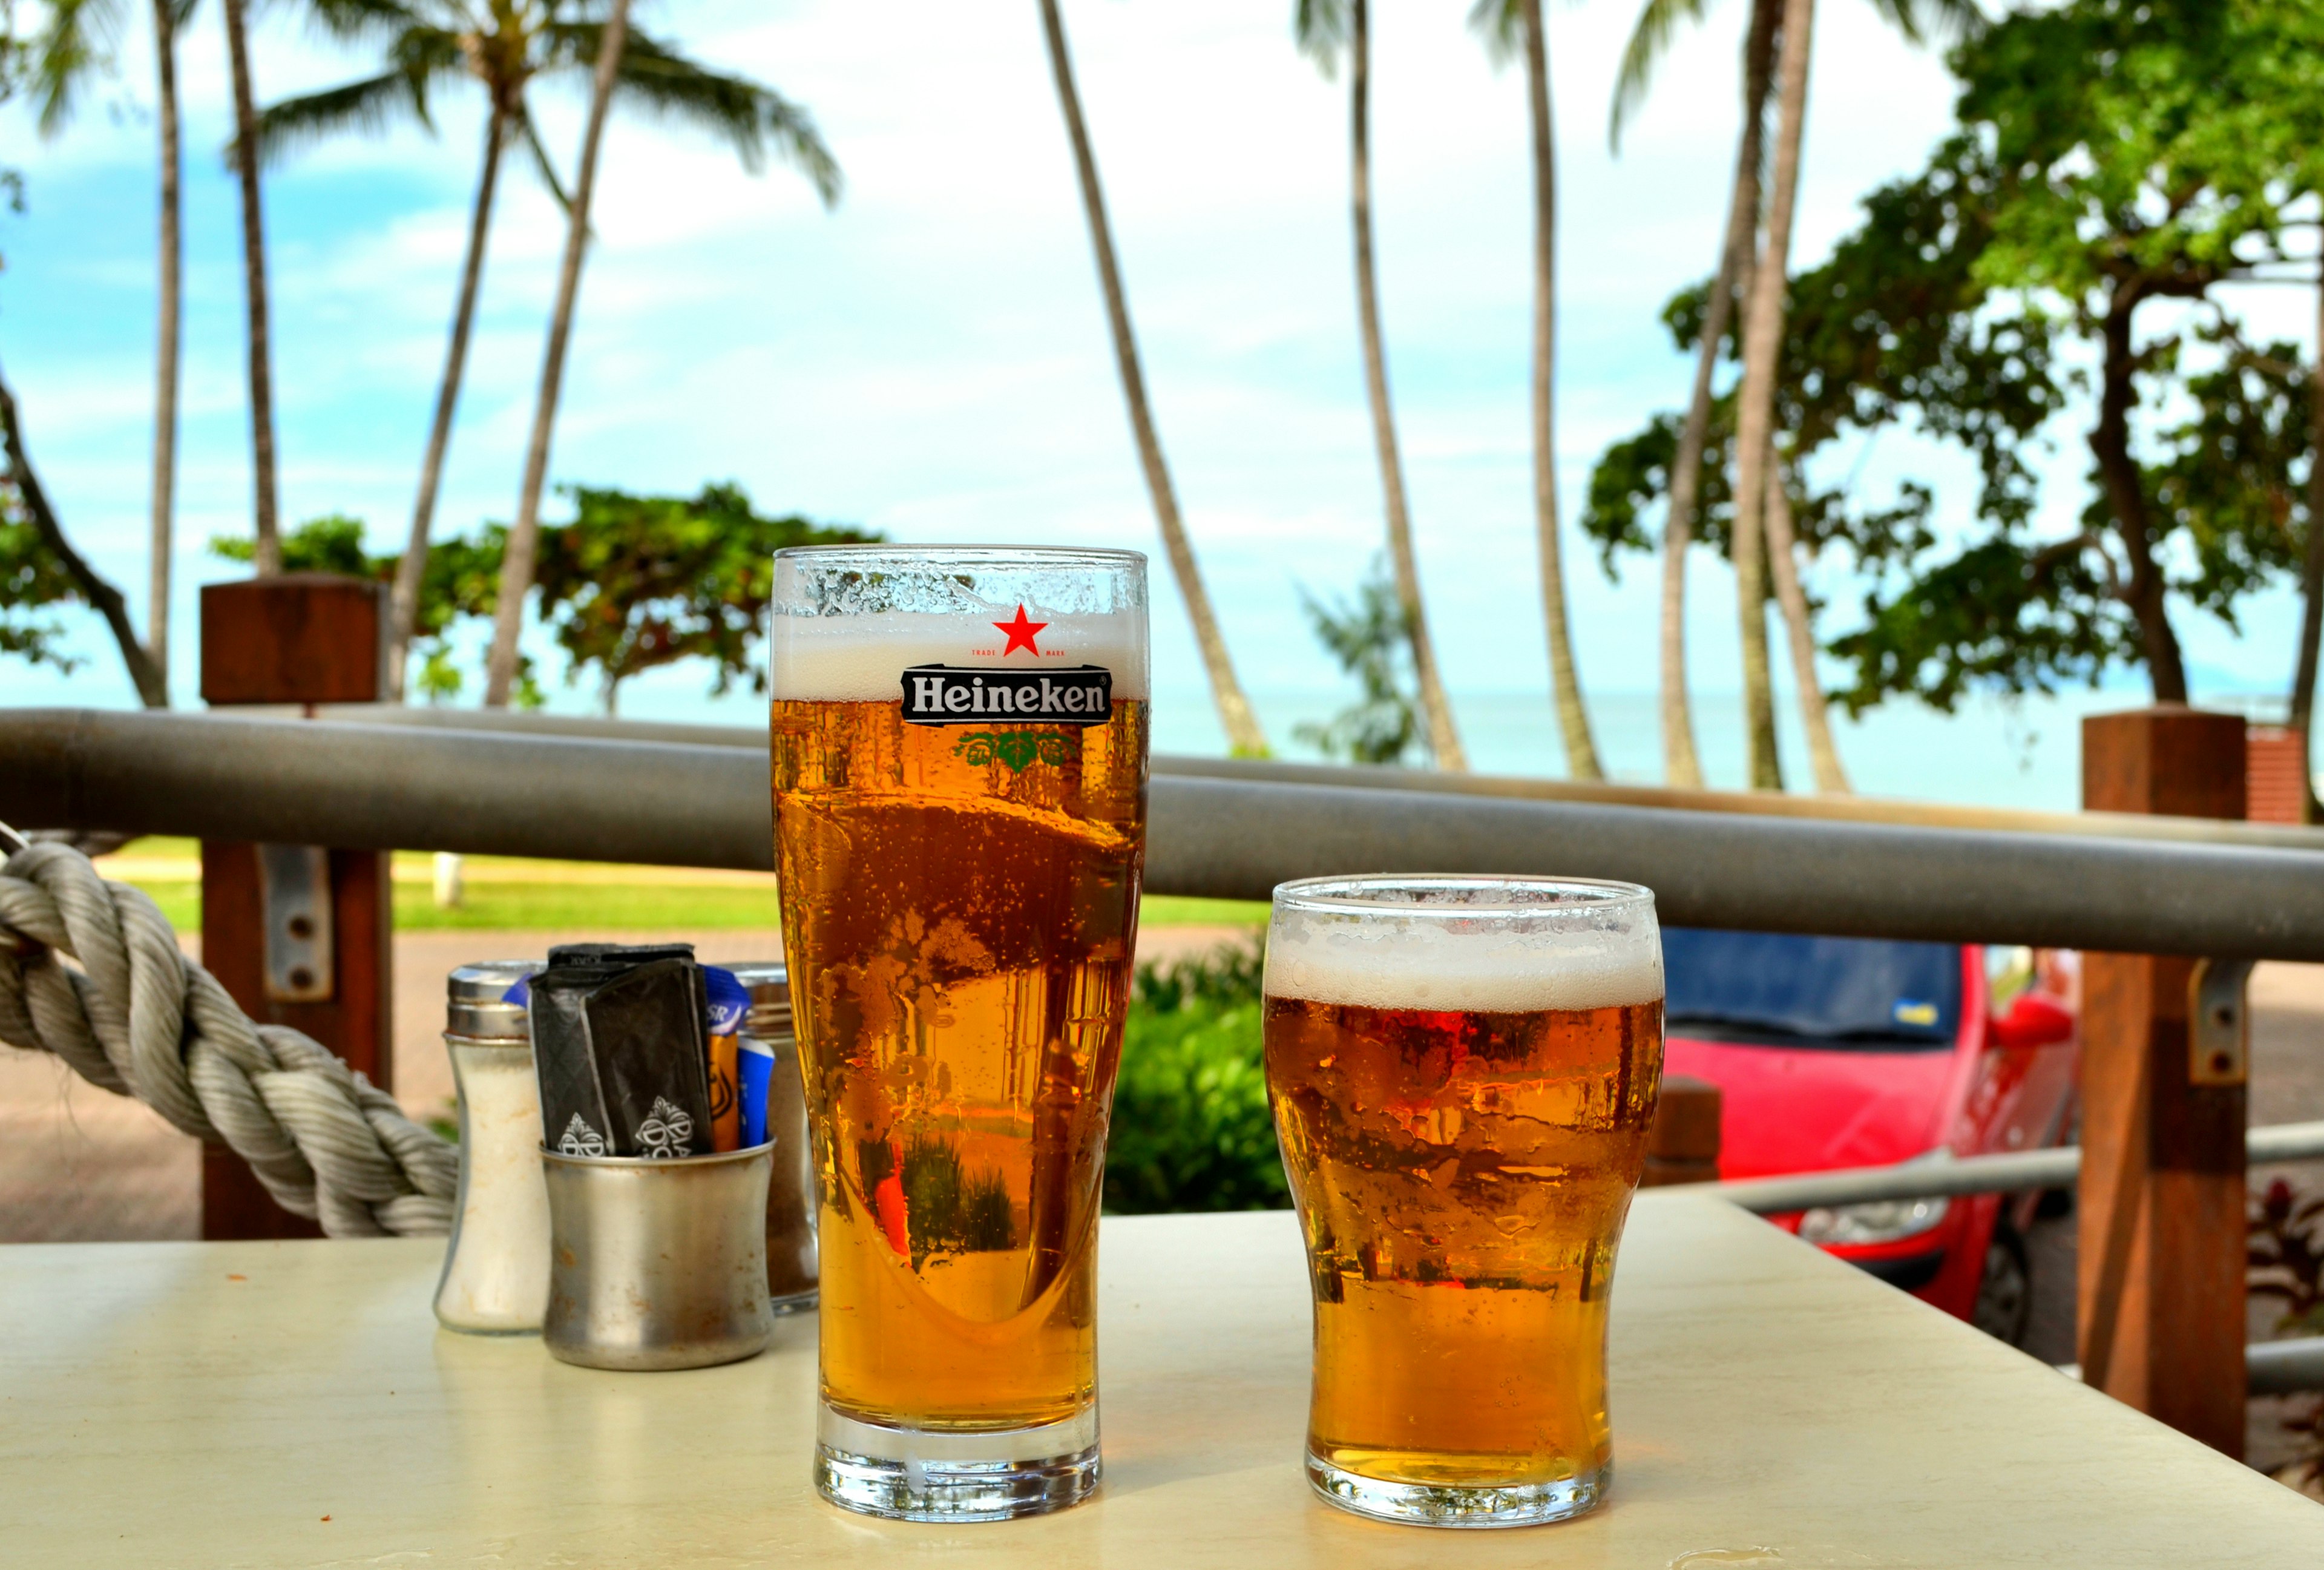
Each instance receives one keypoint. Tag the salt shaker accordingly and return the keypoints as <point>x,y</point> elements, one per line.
<point>791,1260</point>
<point>496,1268</point>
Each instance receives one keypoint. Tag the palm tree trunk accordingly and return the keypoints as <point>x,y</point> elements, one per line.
<point>1763,342</point>
<point>1235,713</point>
<point>1572,719</point>
<point>1783,561</point>
<point>2311,571</point>
<point>269,558</point>
<point>1435,707</point>
<point>524,535</point>
<point>1682,765</point>
<point>170,336</point>
<point>404,610</point>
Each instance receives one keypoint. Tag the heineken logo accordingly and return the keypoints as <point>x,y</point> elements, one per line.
<point>1016,749</point>
<point>960,694</point>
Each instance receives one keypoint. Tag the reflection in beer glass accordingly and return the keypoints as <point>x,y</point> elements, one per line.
<point>1463,1072</point>
<point>959,774</point>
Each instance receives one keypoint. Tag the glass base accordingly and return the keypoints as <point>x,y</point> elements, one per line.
<point>1421,1504</point>
<point>918,1474</point>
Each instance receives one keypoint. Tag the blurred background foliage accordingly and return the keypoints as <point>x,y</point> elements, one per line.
<point>1192,1130</point>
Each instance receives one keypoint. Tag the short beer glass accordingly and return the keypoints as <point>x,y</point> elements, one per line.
<point>959,772</point>
<point>1463,1072</point>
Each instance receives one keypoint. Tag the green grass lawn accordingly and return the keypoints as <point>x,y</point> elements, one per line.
<point>639,907</point>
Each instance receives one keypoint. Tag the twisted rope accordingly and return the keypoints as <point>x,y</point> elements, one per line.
<point>139,1019</point>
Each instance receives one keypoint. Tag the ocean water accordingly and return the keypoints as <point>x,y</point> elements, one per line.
<point>1988,752</point>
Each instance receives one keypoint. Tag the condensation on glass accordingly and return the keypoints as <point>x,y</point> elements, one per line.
<point>959,753</point>
<point>1463,1072</point>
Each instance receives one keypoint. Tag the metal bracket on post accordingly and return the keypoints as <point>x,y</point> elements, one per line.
<point>295,884</point>
<point>2219,1028</point>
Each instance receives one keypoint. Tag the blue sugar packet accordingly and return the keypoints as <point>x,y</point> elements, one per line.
<point>756,1062</point>
<point>730,1000</point>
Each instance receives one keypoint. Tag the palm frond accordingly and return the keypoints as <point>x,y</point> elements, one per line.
<point>1650,39</point>
<point>1501,24</point>
<point>427,54</point>
<point>367,105</point>
<point>751,116</point>
<point>1923,21</point>
<point>77,44</point>
<point>530,135</point>
<point>1322,28</point>
<point>365,21</point>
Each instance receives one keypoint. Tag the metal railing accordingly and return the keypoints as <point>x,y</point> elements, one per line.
<point>1750,803</point>
<point>685,804</point>
<point>2055,1168</point>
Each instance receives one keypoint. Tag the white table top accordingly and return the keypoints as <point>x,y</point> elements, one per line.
<point>294,1404</point>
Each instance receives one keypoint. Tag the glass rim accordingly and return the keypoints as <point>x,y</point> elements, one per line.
<point>1348,895</point>
<point>1029,556</point>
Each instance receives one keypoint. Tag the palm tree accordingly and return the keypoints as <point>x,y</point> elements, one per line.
<point>1657,23</point>
<point>524,536</point>
<point>1235,713</point>
<point>2311,575</point>
<point>1682,766</point>
<point>243,151</point>
<point>69,49</point>
<point>1782,563</point>
<point>503,46</point>
<point>1323,28</point>
<point>1515,26</point>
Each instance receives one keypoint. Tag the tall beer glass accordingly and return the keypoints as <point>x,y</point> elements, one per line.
<point>959,771</point>
<point>1463,1071</point>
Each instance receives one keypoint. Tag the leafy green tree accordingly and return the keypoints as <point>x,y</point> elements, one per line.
<point>2070,197</point>
<point>503,47</point>
<point>1325,29</point>
<point>1371,639</point>
<point>637,582</point>
<point>632,583</point>
<point>2141,152</point>
<point>73,48</point>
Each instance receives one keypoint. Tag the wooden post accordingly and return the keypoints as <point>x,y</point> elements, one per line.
<point>1684,1145</point>
<point>303,638</point>
<point>2160,1310</point>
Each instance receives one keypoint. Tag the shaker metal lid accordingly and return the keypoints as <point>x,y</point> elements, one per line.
<point>770,987</point>
<point>474,996</point>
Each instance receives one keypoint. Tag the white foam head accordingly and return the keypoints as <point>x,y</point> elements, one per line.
<point>1448,943</point>
<point>847,620</point>
<point>861,659</point>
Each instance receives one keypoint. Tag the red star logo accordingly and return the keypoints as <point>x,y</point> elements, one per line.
<point>1020,633</point>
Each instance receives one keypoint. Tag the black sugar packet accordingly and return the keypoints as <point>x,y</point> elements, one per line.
<point>618,1044</point>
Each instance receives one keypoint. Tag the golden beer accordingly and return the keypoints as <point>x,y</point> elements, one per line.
<point>1463,1119</point>
<point>959,898</point>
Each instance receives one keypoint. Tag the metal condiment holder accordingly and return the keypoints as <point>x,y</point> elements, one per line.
<point>657,1263</point>
<point>792,1263</point>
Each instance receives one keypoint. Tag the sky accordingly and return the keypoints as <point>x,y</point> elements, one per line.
<point>929,359</point>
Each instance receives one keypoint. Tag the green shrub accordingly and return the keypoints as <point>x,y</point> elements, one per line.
<point>1190,1126</point>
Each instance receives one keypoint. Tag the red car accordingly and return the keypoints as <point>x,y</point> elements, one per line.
<point>1834,1052</point>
